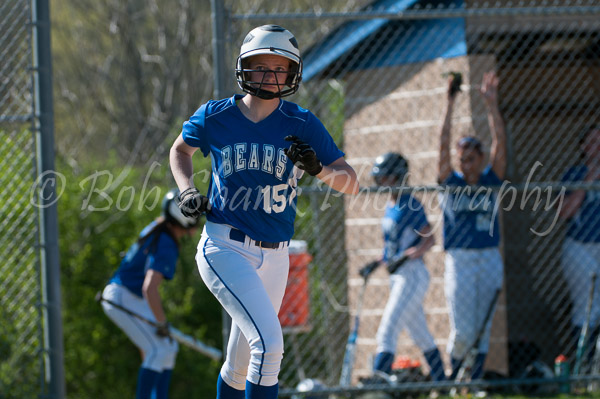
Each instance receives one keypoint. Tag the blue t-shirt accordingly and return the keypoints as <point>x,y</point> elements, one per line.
<point>253,183</point>
<point>158,254</point>
<point>470,220</point>
<point>584,226</point>
<point>401,224</point>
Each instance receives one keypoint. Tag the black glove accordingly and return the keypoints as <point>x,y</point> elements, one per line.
<point>455,84</point>
<point>367,269</point>
<point>162,330</point>
<point>303,156</point>
<point>394,264</point>
<point>193,204</point>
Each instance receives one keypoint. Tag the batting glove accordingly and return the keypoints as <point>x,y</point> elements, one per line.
<point>303,156</point>
<point>367,269</point>
<point>193,204</point>
<point>455,84</point>
<point>162,330</point>
<point>395,264</point>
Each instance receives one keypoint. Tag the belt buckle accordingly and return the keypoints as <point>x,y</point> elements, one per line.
<point>267,245</point>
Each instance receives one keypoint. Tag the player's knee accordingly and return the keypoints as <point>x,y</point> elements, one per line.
<point>265,361</point>
<point>162,356</point>
<point>459,347</point>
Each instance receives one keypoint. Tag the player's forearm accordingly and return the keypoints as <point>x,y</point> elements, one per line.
<point>571,204</point>
<point>496,123</point>
<point>181,168</point>
<point>153,298</point>
<point>444,166</point>
<point>341,178</point>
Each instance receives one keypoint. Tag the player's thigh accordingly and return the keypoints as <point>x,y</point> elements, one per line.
<point>232,276</point>
<point>577,263</point>
<point>491,269</point>
<point>459,280</point>
<point>139,332</point>
<point>274,272</point>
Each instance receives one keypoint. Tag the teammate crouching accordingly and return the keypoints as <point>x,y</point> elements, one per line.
<point>260,146</point>
<point>134,286</point>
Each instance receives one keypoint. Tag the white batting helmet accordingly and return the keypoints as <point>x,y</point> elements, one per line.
<point>274,40</point>
<point>172,213</point>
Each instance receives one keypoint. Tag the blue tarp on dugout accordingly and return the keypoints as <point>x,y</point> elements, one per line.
<point>387,42</point>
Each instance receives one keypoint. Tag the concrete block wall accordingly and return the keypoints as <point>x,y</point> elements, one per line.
<point>406,118</point>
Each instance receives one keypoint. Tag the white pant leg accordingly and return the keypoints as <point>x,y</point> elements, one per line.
<point>490,280</point>
<point>249,282</point>
<point>159,353</point>
<point>461,297</point>
<point>471,278</point>
<point>579,260</point>
<point>404,308</point>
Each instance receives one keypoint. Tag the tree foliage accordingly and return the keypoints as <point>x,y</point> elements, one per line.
<point>97,224</point>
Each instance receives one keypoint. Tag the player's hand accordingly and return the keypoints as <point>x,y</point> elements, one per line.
<point>367,269</point>
<point>489,88</point>
<point>162,330</point>
<point>303,156</point>
<point>454,83</point>
<point>193,204</point>
<point>395,263</point>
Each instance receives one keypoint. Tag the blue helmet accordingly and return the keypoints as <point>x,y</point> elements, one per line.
<point>389,164</point>
<point>172,213</point>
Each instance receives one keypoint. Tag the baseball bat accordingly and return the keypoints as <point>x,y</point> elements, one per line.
<point>593,386</point>
<point>582,342</point>
<point>177,335</point>
<point>350,352</point>
<point>469,359</point>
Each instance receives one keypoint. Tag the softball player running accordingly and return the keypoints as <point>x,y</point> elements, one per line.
<point>581,248</point>
<point>405,232</point>
<point>260,146</point>
<point>134,286</point>
<point>473,265</point>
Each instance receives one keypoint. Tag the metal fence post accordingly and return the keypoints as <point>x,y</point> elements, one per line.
<point>53,335</point>
<point>218,47</point>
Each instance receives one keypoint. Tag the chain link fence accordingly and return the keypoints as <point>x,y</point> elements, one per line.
<point>21,362</point>
<point>377,74</point>
<point>26,353</point>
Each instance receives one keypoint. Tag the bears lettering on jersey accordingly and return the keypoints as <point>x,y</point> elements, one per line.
<point>253,156</point>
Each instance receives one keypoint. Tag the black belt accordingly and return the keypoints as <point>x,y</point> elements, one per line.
<point>238,235</point>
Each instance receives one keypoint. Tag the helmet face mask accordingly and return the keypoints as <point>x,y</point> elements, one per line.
<point>272,40</point>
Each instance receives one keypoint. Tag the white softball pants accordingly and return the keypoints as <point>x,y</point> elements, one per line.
<point>471,277</point>
<point>579,260</point>
<point>159,352</point>
<point>404,308</point>
<point>249,282</point>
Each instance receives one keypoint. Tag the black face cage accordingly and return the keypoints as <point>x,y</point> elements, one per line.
<point>255,88</point>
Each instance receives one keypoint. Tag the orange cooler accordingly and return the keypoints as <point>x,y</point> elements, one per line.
<point>295,306</point>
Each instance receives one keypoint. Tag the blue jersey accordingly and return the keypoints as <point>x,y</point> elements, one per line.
<point>470,220</point>
<point>584,226</point>
<point>401,224</point>
<point>158,253</point>
<point>253,183</point>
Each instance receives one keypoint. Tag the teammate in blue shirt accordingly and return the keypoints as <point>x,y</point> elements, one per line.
<point>581,248</point>
<point>405,232</point>
<point>134,286</point>
<point>260,146</point>
<point>473,265</point>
